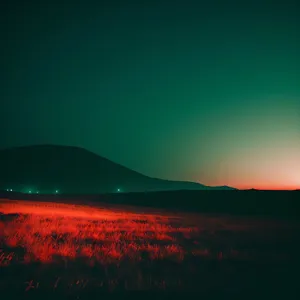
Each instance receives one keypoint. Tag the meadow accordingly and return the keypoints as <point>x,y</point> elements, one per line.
<point>74,249</point>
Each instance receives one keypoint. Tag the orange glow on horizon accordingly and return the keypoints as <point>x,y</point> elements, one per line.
<point>258,186</point>
<point>273,187</point>
<point>263,163</point>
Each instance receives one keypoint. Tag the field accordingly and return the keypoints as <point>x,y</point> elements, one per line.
<point>79,249</point>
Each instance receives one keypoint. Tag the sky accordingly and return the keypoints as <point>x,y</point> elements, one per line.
<point>205,91</point>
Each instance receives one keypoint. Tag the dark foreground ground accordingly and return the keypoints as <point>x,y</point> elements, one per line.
<point>237,202</point>
<point>61,247</point>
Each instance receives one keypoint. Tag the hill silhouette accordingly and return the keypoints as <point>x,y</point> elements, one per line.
<point>68,169</point>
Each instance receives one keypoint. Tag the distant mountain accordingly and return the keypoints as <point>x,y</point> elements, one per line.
<point>223,188</point>
<point>66,169</point>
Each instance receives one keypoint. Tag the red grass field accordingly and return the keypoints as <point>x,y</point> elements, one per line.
<point>75,248</point>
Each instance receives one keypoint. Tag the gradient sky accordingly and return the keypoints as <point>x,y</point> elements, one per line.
<point>205,91</point>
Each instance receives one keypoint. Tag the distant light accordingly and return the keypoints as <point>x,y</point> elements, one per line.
<point>29,192</point>
<point>37,192</point>
<point>118,190</point>
<point>56,191</point>
<point>11,190</point>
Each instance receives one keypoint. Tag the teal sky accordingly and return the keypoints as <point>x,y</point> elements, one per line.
<point>205,91</point>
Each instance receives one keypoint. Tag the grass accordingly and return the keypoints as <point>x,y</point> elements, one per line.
<point>80,248</point>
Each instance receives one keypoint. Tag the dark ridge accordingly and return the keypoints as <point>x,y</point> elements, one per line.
<point>70,169</point>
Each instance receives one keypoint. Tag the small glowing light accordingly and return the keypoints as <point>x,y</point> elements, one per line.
<point>29,192</point>
<point>119,190</point>
<point>56,191</point>
<point>11,190</point>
